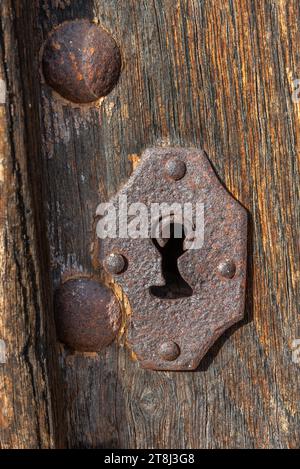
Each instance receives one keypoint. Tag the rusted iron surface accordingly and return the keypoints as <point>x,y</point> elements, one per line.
<point>81,61</point>
<point>87,315</point>
<point>216,272</point>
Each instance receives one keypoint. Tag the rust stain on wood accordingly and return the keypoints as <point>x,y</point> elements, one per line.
<point>135,160</point>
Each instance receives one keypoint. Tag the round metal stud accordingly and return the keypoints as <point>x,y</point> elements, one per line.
<point>87,315</point>
<point>175,169</point>
<point>81,61</point>
<point>169,351</point>
<point>227,269</point>
<point>114,264</point>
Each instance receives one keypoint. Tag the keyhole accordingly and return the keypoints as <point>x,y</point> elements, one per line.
<point>175,286</point>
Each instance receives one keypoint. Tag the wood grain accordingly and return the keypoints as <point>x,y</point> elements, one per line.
<point>212,74</point>
<point>27,411</point>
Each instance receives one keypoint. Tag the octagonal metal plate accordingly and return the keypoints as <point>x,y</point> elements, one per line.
<point>194,323</point>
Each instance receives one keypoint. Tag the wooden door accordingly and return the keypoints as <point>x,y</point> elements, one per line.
<point>195,73</point>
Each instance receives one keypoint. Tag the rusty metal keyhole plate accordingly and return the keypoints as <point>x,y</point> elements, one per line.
<point>174,334</point>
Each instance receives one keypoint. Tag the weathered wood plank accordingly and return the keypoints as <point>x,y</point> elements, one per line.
<point>26,380</point>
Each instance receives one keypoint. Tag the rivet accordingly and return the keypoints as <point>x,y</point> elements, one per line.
<point>87,315</point>
<point>169,351</point>
<point>227,269</point>
<point>115,263</point>
<point>175,169</point>
<point>81,61</point>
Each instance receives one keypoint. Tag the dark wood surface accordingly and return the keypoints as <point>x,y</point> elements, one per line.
<point>212,74</point>
<point>30,371</point>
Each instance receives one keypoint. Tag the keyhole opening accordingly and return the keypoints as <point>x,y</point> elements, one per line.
<point>175,286</point>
